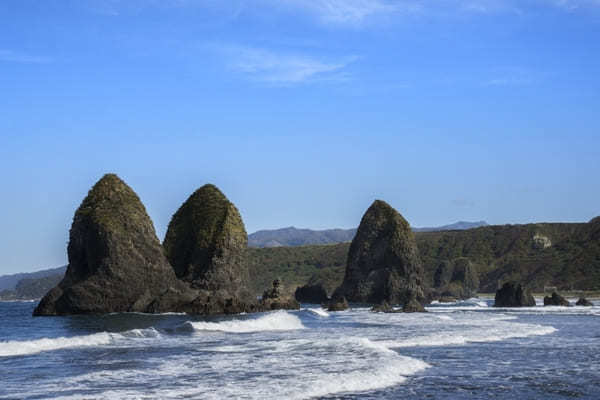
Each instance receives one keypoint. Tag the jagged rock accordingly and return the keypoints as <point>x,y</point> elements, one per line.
<point>116,263</point>
<point>584,302</point>
<point>556,300</point>
<point>383,307</point>
<point>383,261</point>
<point>274,299</point>
<point>513,294</point>
<point>206,244</point>
<point>457,279</point>
<point>311,293</point>
<point>338,303</point>
<point>413,306</point>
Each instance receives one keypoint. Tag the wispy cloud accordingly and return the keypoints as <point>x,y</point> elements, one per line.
<point>350,11</point>
<point>510,77</point>
<point>282,68</point>
<point>17,57</point>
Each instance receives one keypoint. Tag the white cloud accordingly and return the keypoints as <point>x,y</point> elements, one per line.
<point>12,56</point>
<point>283,68</point>
<point>349,11</point>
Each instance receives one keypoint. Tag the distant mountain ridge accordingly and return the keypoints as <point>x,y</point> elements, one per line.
<point>9,282</point>
<point>292,236</point>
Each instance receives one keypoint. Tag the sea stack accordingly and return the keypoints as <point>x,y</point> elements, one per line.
<point>116,263</point>
<point>513,294</point>
<point>206,244</point>
<point>556,300</point>
<point>383,260</point>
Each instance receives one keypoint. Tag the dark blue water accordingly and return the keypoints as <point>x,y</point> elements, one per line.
<point>465,350</point>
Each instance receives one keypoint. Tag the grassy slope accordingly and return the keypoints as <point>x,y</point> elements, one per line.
<point>499,253</point>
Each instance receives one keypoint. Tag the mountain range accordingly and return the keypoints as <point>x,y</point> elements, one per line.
<point>292,236</point>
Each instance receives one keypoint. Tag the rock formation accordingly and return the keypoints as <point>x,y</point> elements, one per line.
<point>513,294</point>
<point>383,261</point>
<point>116,263</point>
<point>584,302</point>
<point>314,293</point>
<point>274,299</point>
<point>458,279</point>
<point>556,300</point>
<point>206,244</point>
<point>338,303</point>
<point>383,307</point>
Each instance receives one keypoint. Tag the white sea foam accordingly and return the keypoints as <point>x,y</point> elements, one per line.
<point>318,311</point>
<point>19,348</point>
<point>493,331</point>
<point>274,321</point>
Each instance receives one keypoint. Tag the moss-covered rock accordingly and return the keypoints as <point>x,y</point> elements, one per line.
<point>116,262</point>
<point>383,261</point>
<point>206,244</point>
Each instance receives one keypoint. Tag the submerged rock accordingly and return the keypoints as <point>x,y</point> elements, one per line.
<point>513,294</point>
<point>383,260</point>
<point>116,262</point>
<point>556,300</point>
<point>584,302</point>
<point>311,293</point>
<point>275,299</point>
<point>206,244</point>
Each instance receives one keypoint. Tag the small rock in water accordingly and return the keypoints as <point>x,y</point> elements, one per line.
<point>338,303</point>
<point>513,294</point>
<point>556,300</point>
<point>584,302</point>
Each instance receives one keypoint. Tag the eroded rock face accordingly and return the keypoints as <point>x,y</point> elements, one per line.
<point>383,261</point>
<point>206,244</point>
<point>556,300</point>
<point>458,279</point>
<point>513,294</point>
<point>338,303</point>
<point>116,262</point>
<point>311,293</point>
<point>275,299</point>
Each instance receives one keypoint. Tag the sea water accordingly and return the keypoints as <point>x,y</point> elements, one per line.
<point>463,350</point>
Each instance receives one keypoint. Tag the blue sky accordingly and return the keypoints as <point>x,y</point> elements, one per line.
<point>302,111</point>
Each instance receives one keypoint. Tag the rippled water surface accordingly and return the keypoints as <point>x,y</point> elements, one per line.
<point>461,350</point>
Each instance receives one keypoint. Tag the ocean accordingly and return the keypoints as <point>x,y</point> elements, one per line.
<point>463,350</point>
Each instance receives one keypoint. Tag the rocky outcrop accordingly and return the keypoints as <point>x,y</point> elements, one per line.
<point>311,293</point>
<point>275,299</point>
<point>556,300</point>
<point>338,303</point>
<point>383,307</point>
<point>513,294</point>
<point>584,302</point>
<point>383,262</point>
<point>412,305</point>
<point>458,279</point>
<point>206,244</point>
<point>116,262</point>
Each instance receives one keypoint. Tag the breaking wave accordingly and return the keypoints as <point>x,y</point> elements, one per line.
<point>275,321</point>
<point>20,348</point>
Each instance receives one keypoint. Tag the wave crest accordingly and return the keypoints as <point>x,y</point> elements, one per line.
<point>275,321</point>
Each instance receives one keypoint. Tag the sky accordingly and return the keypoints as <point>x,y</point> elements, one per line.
<point>301,111</point>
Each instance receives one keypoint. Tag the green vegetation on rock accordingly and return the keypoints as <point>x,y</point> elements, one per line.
<point>206,242</point>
